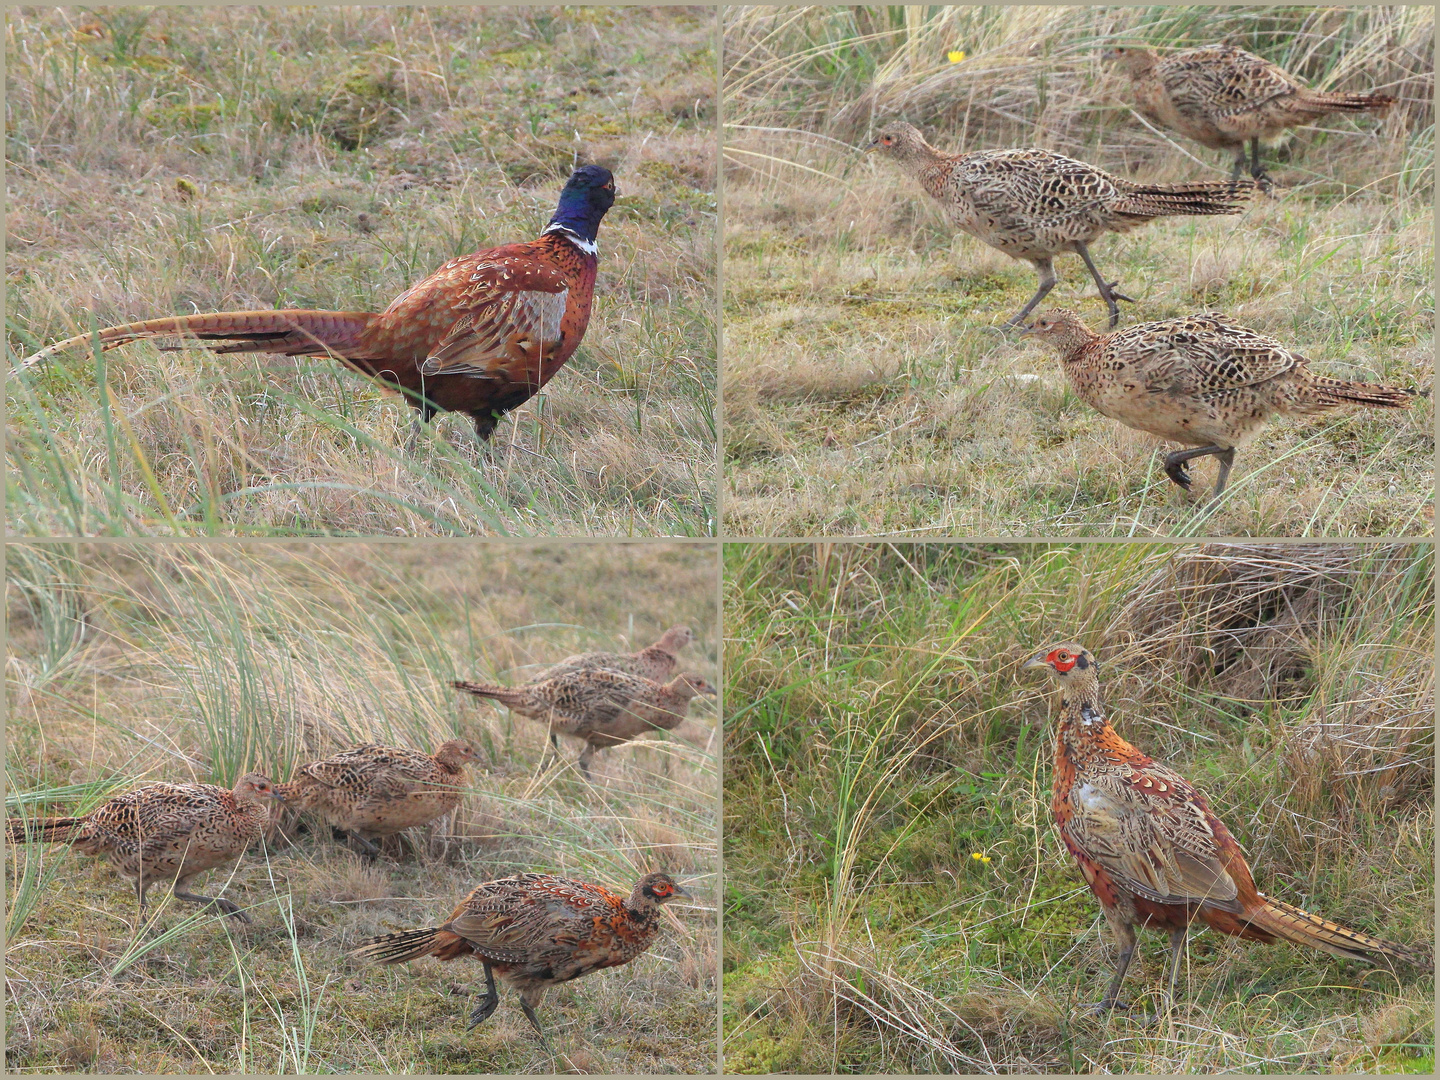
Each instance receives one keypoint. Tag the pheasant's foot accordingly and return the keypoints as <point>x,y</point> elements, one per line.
<point>482,1010</point>
<point>1176,471</point>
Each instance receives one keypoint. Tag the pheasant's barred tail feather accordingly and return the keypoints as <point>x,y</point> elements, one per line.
<point>42,830</point>
<point>399,947</point>
<point>1340,392</point>
<point>504,694</point>
<point>1210,197</point>
<point>1292,924</point>
<point>293,333</point>
<point>1324,102</point>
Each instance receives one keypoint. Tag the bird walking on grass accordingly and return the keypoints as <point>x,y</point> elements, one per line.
<point>372,791</point>
<point>1199,381</point>
<point>1033,205</point>
<point>1223,97</point>
<point>1152,851</point>
<point>602,707</point>
<point>654,662</point>
<point>165,833</point>
<point>480,336</point>
<point>534,931</point>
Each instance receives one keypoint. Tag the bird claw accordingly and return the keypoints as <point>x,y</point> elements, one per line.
<point>1176,471</point>
<point>1113,286</point>
<point>482,1011</point>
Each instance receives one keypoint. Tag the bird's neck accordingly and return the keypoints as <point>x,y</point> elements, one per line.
<point>578,220</point>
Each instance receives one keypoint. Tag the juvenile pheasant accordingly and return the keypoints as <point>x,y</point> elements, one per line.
<point>535,931</point>
<point>652,662</point>
<point>1150,848</point>
<point>1223,97</point>
<point>165,832</point>
<point>373,791</point>
<point>1199,381</point>
<point>604,708</point>
<point>1033,205</point>
<point>480,336</point>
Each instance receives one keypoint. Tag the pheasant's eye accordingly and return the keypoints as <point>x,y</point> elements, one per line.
<point>1062,657</point>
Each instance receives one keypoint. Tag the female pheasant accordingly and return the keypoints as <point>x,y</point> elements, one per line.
<point>165,833</point>
<point>535,931</point>
<point>1151,849</point>
<point>372,791</point>
<point>1222,97</point>
<point>1199,381</point>
<point>1032,204</point>
<point>600,706</point>
<point>655,661</point>
<point>480,336</point>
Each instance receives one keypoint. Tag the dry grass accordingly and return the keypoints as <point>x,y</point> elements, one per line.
<point>869,387</point>
<point>176,160</point>
<point>186,662</point>
<point>880,734</point>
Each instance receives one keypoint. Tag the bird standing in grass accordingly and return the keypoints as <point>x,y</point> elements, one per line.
<point>1199,381</point>
<point>1223,97</point>
<point>165,832</point>
<point>534,931</point>
<point>373,791</point>
<point>602,707</point>
<point>480,336</point>
<point>1033,205</point>
<point>1152,851</point>
<point>655,661</point>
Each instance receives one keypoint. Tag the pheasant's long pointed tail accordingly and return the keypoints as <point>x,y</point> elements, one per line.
<point>402,946</point>
<point>506,695</point>
<point>42,830</point>
<point>1315,102</point>
<point>290,333</point>
<point>1206,197</point>
<point>1294,925</point>
<point>1330,393</point>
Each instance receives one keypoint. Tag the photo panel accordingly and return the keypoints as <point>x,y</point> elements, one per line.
<point>345,747</point>
<point>961,779</point>
<point>1025,284</point>
<point>401,270</point>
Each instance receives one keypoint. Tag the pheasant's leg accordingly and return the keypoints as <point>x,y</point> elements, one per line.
<point>1174,463</point>
<point>1239,168</point>
<point>584,760</point>
<point>1226,459</point>
<point>1107,292</point>
<point>486,1004</point>
<point>369,851</point>
<point>425,412</point>
<point>1177,954</point>
<point>1125,934</point>
<point>525,1003</point>
<point>182,892</point>
<point>1046,269</point>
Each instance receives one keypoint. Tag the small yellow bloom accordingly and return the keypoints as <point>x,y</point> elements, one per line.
<point>976,855</point>
<point>984,858</point>
<point>955,55</point>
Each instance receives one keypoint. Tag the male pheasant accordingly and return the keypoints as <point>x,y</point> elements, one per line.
<point>165,832</point>
<point>602,707</point>
<point>372,791</point>
<point>480,336</point>
<point>1197,380</point>
<point>1033,205</point>
<point>655,661</point>
<point>1150,848</point>
<point>535,931</point>
<point>1222,97</point>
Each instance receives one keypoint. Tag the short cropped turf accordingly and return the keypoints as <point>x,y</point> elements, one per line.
<point>199,663</point>
<point>172,160</point>
<point>869,385</point>
<point>896,896</point>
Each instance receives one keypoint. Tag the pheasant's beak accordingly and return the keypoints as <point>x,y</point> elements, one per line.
<point>274,794</point>
<point>873,147</point>
<point>1025,329</point>
<point>681,893</point>
<point>1037,661</point>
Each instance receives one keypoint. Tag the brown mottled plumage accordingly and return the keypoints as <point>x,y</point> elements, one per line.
<point>480,336</point>
<point>1197,380</point>
<point>165,832</point>
<point>535,931</point>
<point>602,707</point>
<point>1223,97</point>
<point>655,661</point>
<point>372,791</point>
<point>1033,205</point>
<point>1151,849</point>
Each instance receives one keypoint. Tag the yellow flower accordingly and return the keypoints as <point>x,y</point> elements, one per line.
<point>984,858</point>
<point>955,55</point>
<point>976,855</point>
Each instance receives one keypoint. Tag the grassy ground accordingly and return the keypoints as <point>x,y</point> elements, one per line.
<point>896,403</point>
<point>896,897</point>
<point>173,160</point>
<point>168,663</point>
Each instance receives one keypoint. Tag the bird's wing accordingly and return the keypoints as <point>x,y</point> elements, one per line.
<point>1152,833</point>
<point>1219,83</point>
<point>1023,189</point>
<point>509,920</point>
<point>1202,355</point>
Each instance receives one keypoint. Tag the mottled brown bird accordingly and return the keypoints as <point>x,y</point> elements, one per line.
<point>1223,97</point>
<point>1151,849</point>
<point>1033,205</point>
<point>480,336</point>
<point>1197,380</point>
<point>655,661</point>
<point>373,791</point>
<point>165,832</point>
<point>534,931</point>
<point>602,707</point>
